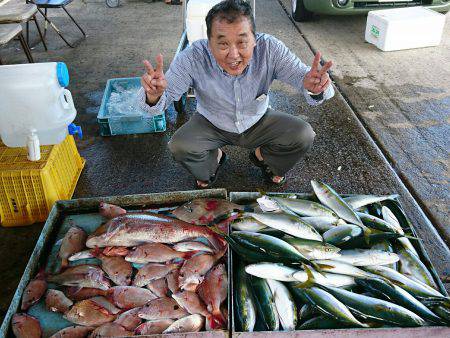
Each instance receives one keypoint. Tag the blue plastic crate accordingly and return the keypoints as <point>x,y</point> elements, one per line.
<point>130,123</point>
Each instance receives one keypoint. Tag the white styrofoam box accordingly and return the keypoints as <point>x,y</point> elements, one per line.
<point>195,18</point>
<point>404,28</point>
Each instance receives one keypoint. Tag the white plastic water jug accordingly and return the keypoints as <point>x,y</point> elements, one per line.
<point>196,12</point>
<point>35,108</point>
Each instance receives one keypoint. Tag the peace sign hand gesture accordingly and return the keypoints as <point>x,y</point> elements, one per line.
<point>153,80</point>
<point>317,80</point>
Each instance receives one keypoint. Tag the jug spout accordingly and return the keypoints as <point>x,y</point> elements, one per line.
<point>33,146</point>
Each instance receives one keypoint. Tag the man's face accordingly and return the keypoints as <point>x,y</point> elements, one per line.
<point>232,44</point>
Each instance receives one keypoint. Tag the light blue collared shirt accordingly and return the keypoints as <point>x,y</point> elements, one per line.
<point>232,103</point>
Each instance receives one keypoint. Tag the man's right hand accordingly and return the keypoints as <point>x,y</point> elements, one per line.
<point>153,80</point>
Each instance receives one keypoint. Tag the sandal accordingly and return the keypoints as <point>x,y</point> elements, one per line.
<point>266,172</point>
<point>213,178</point>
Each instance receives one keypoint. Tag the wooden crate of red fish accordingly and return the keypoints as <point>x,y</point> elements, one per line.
<point>125,266</point>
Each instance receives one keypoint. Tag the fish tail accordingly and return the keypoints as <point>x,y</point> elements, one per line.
<point>64,263</point>
<point>217,320</point>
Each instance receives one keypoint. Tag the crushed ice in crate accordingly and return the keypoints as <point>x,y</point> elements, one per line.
<point>123,101</point>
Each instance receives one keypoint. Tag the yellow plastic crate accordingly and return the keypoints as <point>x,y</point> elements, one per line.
<point>29,189</point>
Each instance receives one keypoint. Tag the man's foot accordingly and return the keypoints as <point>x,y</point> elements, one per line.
<point>221,157</point>
<point>269,176</point>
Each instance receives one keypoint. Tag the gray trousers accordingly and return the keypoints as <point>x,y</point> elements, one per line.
<point>283,139</point>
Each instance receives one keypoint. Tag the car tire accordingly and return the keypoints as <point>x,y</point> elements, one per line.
<point>299,12</point>
<point>112,3</point>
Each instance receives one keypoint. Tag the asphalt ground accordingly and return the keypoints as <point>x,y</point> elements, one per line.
<point>344,154</point>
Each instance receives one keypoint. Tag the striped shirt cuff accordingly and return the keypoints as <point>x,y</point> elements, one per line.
<point>157,109</point>
<point>327,94</point>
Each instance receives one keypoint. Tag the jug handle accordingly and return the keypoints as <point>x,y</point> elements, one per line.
<point>66,99</point>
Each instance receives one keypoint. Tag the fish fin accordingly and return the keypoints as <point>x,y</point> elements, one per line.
<point>217,320</point>
<point>367,233</point>
<point>324,266</point>
<point>309,282</point>
<point>315,266</point>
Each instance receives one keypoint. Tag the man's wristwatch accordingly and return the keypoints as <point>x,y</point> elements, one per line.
<point>316,97</point>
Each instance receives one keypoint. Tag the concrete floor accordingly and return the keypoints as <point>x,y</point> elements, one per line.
<point>344,155</point>
<point>402,97</point>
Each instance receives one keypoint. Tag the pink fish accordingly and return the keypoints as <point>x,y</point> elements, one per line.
<point>56,301</point>
<point>152,271</point>
<point>173,281</point>
<point>34,291</point>
<point>194,269</point>
<point>73,242</point>
<point>154,253</point>
<point>191,302</point>
<point>213,291</point>
<point>110,210</point>
<point>127,297</point>
<point>158,287</point>
<point>203,211</point>
<point>192,246</point>
<point>89,276</point>
<point>73,332</point>
<point>25,326</point>
<point>114,223</point>
<point>117,269</point>
<point>89,313</point>
<point>106,304</point>
<point>135,231</point>
<point>192,323</point>
<point>109,251</point>
<point>153,327</point>
<point>129,319</point>
<point>75,293</point>
<point>110,330</point>
<point>162,308</point>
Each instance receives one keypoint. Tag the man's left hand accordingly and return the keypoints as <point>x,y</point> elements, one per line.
<point>317,80</point>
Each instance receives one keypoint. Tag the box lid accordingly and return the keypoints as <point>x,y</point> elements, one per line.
<point>406,14</point>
